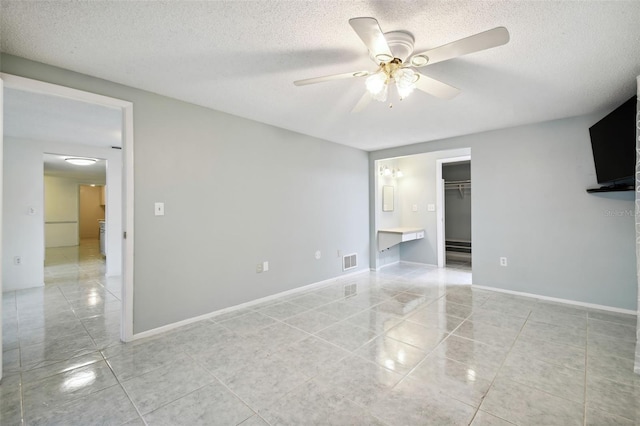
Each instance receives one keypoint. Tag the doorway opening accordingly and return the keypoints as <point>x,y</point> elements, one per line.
<point>453,207</point>
<point>457,214</point>
<point>118,198</point>
<point>75,207</point>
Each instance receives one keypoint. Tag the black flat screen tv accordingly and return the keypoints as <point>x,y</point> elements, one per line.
<point>613,142</point>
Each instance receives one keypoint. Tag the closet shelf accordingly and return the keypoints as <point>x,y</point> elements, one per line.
<point>460,185</point>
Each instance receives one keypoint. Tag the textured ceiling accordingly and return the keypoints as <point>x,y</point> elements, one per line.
<point>565,58</point>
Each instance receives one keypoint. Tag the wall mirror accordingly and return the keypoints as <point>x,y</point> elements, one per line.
<point>387,198</point>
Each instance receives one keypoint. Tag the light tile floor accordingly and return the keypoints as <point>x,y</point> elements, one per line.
<point>409,345</point>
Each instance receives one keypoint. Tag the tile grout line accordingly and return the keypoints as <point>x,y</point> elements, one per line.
<point>231,391</point>
<point>527,321</point>
<point>135,406</point>
<point>79,319</point>
<point>57,287</point>
<point>500,367</point>
<point>311,378</point>
<point>403,319</point>
<point>19,360</point>
<point>475,413</point>
<point>586,366</point>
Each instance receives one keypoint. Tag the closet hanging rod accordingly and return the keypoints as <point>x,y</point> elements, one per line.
<point>457,182</point>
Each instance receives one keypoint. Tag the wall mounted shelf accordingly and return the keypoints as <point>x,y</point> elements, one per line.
<point>390,237</point>
<point>612,189</point>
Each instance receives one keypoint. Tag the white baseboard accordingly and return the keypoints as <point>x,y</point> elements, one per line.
<point>556,299</point>
<point>209,315</point>
<point>397,262</point>
<point>389,264</point>
<point>385,265</point>
<point>418,263</point>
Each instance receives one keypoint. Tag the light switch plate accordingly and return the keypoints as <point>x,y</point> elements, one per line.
<point>159,209</point>
<point>431,207</point>
<point>414,208</point>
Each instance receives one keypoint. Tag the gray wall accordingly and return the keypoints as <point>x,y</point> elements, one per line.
<point>457,204</point>
<point>236,193</point>
<point>529,204</point>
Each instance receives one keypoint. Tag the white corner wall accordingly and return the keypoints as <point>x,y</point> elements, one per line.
<point>388,219</point>
<point>23,233</point>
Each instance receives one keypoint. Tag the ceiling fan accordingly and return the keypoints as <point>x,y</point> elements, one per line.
<point>393,53</point>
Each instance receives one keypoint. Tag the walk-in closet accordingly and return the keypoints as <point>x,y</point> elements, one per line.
<point>457,214</point>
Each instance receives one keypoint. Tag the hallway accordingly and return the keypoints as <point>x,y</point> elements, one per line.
<point>75,313</point>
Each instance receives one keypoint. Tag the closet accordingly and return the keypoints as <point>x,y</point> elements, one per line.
<point>457,213</point>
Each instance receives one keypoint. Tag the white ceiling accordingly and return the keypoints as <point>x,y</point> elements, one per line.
<point>55,165</point>
<point>55,119</point>
<point>565,58</point>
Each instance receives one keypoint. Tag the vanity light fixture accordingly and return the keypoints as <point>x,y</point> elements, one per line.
<point>78,161</point>
<point>392,173</point>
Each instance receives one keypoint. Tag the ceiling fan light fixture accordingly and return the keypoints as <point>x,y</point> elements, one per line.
<point>404,92</point>
<point>77,161</point>
<point>377,85</point>
<point>392,53</point>
<point>383,57</point>
<point>405,81</point>
<point>419,60</point>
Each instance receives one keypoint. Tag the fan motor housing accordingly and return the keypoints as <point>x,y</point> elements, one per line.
<point>400,43</point>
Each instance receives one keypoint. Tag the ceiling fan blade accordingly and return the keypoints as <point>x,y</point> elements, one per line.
<point>435,88</point>
<point>362,103</point>
<point>475,43</point>
<point>371,35</point>
<point>331,77</point>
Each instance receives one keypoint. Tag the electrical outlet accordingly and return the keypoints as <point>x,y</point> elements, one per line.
<point>265,265</point>
<point>259,268</point>
<point>318,254</point>
<point>503,261</point>
<point>17,260</point>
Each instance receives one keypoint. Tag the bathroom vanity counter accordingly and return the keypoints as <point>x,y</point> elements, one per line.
<point>390,237</point>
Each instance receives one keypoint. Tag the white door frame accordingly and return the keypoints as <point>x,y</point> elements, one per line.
<point>440,233</point>
<point>35,86</point>
<point>1,175</point>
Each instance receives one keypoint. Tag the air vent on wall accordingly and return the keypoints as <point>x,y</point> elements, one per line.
<point>349,261</point>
